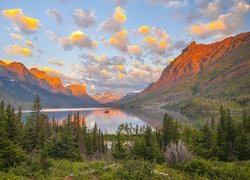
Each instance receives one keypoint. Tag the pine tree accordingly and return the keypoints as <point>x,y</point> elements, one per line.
<point>13,128</point>
<point>242,144</point>
<point>170,130</point>
<point>95,139</point>
<point>118,149</point>
<point>206,141</point>
<point>10,153</point>
<point>34,129</point>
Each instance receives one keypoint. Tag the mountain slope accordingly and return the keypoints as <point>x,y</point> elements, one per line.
<point>211,73</point>
<point>107,97</point>
<point>18,86</point>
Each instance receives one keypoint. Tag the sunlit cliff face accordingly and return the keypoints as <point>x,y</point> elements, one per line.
<point>55,83</point>
<point>77,90</point>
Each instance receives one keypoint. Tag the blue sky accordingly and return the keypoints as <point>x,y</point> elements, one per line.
<point>126,58</point>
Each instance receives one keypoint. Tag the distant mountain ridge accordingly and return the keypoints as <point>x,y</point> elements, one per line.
<point>107,97</point>
<point>219,70</point>
<point>19,85</point>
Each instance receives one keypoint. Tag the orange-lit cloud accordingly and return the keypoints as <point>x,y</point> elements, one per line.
<point>104,72</point>
<point>28,43</point>
<point>17,50</point>
<point>120,40</point>
<point>51,72</point>
<point>135,50</point>
<point>24,23</point>
<point>207,28</point>
<point>121,75</point>
<point>77,39</point>
<point>57,63</point>
<point>120,67</point>
<point>157,45</point>
<point>16,36</point>
<point>225,24</point>
<point>144,30</point>
<point>120,15</point>
<point>115,22</point>
<point>6,61</point>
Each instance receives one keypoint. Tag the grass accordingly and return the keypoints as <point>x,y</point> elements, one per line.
<point>137,169</point>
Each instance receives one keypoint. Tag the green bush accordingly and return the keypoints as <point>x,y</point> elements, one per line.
<point>216,170</point>
<point>197,166</point>
<point>135,169</point>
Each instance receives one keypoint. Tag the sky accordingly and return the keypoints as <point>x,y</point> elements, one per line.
<point>116,46</point>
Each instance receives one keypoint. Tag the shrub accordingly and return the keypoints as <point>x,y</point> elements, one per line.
<point>177,153</point>
<point>135,170</point>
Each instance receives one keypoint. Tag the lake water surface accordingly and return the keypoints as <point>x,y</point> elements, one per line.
<point>109,118</point>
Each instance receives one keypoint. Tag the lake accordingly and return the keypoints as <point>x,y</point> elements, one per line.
<point>110,118</point>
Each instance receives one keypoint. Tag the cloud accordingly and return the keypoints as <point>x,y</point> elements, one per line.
<point>57,63</point>
<point>29,43</point>
<point>135,50</point>
<point>120,40</point>
<point>158,42</point>
<point>84,18</point>
<point>53,36</point>
<point>170,3</point>
<point>120,2</point>
<point>77,39</point>
<point>144,30</point>
<point>112,73</point>
<point>24,23</point>
<point>209,9</point>
<point>16,36</point>
<point>225,24</point>
<point>55,14</point>
<point>115,22</point>
<point>17,50</point>
<point>102,59</point>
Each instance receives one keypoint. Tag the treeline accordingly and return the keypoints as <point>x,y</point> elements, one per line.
<point>40,138</point>
<point>225,140</point>
<point>34,142</point>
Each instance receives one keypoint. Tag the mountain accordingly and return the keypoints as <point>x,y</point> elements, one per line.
<point>77,90</point>
<point>55,83</point>
<point>202,76</point>
<point>127,96</point>
<point>19,85</point>
<point>107,97</point>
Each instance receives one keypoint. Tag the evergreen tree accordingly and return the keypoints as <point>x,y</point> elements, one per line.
<point>34,135</point>
<point>118,149</point>
<point>206,141</point>
<point>170,130</point>
<point>10,153</point>
<point>242,144</point>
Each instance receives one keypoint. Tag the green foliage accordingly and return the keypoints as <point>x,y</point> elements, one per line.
<point>135,169</point>
<point>170,130</point>
<point>41,148</point>
<point>216,170</point>
<point>119,150</point>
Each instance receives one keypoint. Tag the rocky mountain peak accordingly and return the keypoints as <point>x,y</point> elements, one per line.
<point>77,90</point>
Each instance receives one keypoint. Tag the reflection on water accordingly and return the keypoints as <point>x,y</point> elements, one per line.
<point>109,119</point>
<point>106,118</point>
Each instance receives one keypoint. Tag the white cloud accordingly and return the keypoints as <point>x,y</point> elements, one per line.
<point>226,24</point>
<point>55,14</point>
<point>77,39</point>
<point>115,22</point>
<point>84,18</point>
<point>24,23</point>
